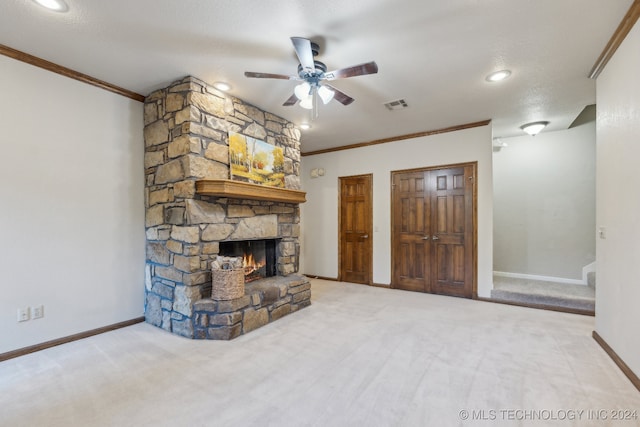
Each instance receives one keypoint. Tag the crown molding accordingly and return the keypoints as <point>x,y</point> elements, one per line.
<point>67,72</point>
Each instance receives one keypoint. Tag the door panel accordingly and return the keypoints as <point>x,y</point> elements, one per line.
<point>355,229</point>
<point>453,236</point>
<point>433,230</point>
<point>412,217</point>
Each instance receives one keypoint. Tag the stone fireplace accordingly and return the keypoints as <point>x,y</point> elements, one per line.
<point>194,213</point>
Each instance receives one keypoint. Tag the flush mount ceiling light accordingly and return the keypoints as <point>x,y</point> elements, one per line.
<point>222,86</point>
<point>54,5</point>
<point>534,128</point>
<point>498,76</point>
<point>305,126</point>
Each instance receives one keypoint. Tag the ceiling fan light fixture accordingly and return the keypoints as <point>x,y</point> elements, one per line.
<point>307,103</point>
<point>54,5</point>
<point>312,73</point>
<point>326,94</point>
<point>534,128</point>
<point>498,76</point>
<point>302,91</point>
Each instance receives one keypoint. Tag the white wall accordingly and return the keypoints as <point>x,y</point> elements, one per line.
<point>71,205</point>
<point>319,215</point>
<point>544,203</point>
<point>618,203</point>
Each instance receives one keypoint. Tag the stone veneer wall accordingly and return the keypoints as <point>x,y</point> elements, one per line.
<point>186,139</point>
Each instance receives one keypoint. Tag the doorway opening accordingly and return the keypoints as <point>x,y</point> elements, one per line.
<point>544,202</point>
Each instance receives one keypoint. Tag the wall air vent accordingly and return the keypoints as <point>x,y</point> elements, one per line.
<point>396,105</point>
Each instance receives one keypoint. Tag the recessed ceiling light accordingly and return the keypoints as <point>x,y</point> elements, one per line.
<point>55,5</point>
<point>305,126</point>
<point>498,76</point>
<point>534,128</point>
<point>222,86</point>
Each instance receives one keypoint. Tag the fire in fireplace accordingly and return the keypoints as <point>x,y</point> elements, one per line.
<point>259,257</point>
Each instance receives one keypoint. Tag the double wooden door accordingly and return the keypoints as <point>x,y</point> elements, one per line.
<point>433,230</point>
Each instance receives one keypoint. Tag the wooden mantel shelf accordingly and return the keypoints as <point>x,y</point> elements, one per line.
<point>244,190</point>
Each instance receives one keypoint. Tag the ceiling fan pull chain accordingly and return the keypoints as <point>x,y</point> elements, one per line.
<point>314,111</point>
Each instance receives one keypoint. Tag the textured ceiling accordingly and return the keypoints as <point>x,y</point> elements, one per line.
<point>434,54</point>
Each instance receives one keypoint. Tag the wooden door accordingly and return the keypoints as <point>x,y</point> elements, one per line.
<point>433,230</point>
<point>355,246</point>
<point>411,225</point>
<point>452,231</point>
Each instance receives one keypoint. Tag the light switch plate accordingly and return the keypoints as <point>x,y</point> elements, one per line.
<point>37,312</point>
<point>23,314</point>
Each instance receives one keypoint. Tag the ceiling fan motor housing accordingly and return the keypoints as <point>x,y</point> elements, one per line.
<point>320,68</point>
<point>315,48</point>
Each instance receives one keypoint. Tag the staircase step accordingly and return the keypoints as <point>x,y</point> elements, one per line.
<point>539,299</point>
<point>538,292</point>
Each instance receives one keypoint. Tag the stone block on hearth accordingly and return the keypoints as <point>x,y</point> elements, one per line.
<point>224,332</point>
<point>302,296</point>
<point>299,288</point>
<point>253,319</point>
<point>226,319</point>
<point>234,304</point>
<point>205,305</point>
<point>153,311</point>
<point>281,311</point>
<point>182,327</point>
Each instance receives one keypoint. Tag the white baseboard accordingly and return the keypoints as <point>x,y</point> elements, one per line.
<point>541,278</point>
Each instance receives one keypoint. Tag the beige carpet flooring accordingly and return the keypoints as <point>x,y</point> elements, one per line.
<point>359,356</point>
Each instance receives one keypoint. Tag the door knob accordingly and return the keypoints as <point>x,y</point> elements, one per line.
<point>425,237</point>
<point>435,238</point>
<point>366,236</point>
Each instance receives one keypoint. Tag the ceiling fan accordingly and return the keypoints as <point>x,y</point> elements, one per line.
<point>313,75</point>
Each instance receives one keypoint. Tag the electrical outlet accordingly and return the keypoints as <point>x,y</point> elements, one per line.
<point>23,314</point>
<point>37,312</point>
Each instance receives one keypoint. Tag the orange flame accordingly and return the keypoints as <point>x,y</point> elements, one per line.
<point>250,264</point>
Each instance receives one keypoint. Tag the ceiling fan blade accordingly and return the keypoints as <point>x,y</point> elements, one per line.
<point>291,101</point>
<point>269,76</point>
<point>304,52</point>
<point>339,96</point>
<point>356,70</point>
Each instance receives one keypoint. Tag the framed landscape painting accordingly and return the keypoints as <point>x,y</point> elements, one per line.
<point>255,161</point>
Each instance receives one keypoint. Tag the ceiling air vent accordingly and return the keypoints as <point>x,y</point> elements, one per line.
<point>396,105</point>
